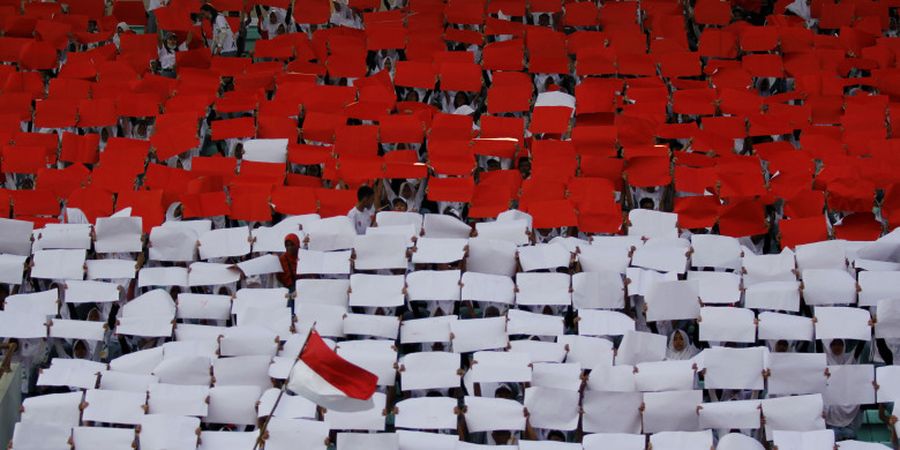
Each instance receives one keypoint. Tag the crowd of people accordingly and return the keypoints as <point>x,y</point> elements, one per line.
<point>543,225</point>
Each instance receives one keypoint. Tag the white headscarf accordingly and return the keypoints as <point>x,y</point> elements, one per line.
<point>737,441</point>
<point>688,352</point>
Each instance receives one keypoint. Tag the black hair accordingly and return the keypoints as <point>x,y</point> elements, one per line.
<point>364,192</point>
<point>211,10</point>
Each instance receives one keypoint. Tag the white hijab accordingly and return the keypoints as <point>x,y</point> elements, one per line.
<point>688,352</point>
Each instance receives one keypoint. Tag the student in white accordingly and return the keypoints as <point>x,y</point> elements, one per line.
<point>223,42</point>
<point>364,212</point>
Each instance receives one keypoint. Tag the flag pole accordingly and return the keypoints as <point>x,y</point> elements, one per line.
<point>265,426</point>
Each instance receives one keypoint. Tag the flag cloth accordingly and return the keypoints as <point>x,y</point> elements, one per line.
<point>330,381</point>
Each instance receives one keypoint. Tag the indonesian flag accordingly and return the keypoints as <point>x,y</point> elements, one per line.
<point>330,381</point>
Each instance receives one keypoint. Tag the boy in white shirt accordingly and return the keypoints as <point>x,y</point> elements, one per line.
<point>363,214</point>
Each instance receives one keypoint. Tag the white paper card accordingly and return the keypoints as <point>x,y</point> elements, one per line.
<point>734,368</point>
<point>671,411</point>
<point>838,322</point>
<point>488,414</point>
<point>429,370</point>
<point>598,290</point>
<point>727,324</point>
<point>774,326</point>
<point>433,285</point>
<point>313,262</point>
<point>533,324</point>
<point>500,367</point>
<point>798,413</point>
<point>796,373</point>
<point>740,414</point>
<point>426,413</point>
<point>555,409</point>
<point>673,300</point>
<point>491,256</point>
<point>12,268</point>
<point>110,269</point>
<point>543,289</point>
<point>612,412</point>
<point>377,290</point>
<point>483,287</point>
<point>58,264</point>
<point>718,287</point>
<point>479,334</point>
<point>118,234</point>
<point>773,295</point>
<point>828,287</point>
<point>877,286</point>
<point>850,384</point>
<point>380,252</point>
<point>711,250</point>
<point>439,251</point>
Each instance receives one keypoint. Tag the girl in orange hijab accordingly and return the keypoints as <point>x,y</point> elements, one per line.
<point>289,261</point>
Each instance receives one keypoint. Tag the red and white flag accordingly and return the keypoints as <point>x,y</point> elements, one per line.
<point>330,381</point>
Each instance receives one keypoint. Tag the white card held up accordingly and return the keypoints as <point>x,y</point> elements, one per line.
<point>513,231</point>
<point>164,432</point>
<point>663,255</point>
<point>612,412</point>
<point>796,373</point>
<point>488,414</point>
<point>639,280</point>
<point>323,291</point>
<point>431,329</point>
<point>664,376</point>
<point>118,234</point>
<point>163,276</point>
<point>58,264</point>
<point>479,334</point>
<point>839,322</point>
<point>671,411</point>
<point>673,300</point>
<point>718,287</point>
<point>266,150</point>
<point>78,291</point>
<point>289,434</point>
<point>141,362</point>
<point>380,252</point>
<point>23,325</point>
<point>251,370</point>
<point>212,274</point>
<point>610,256</point>
<point>311,262</point>
<point>598,290</point>
<point>797,413</point>
<point>550,408</point>
<point>740,414</point>
<point>637,347</point>
<point>376,441</point>
<point>734,368</point>
<point>888,324</point>
<point>548,445</point>
<point>614,441</point>
<point>888,378</point>
<point>78,375</point>
<point>540,351</point>
<point>877,286</point>
<point>173,243</point>
<point>439,251</point>
<point>54,408</point>
<point>500,367</point>
<point>271,239</point>
<point>429,370</point>
<point>589,351</point>
<point>117,407</point>
<point>774,326</point>
<point>652,224</point>
<point>185,370</point>
<point>682,440</point>
<point>612,379</point>
<point>543,288</point>
<point>103,437</point>
<point>181,400</point>
<point>603,323</point>
<point>77,329</point>
<point>397,218</point>
<point>850,384</point>
<point>712,250</point>
<point>377,290</point>
<point>828,287</point>
<point>426,413</point>
<point>233,404</point>
<point>333,233</point>
<point>12,268</point>
<point>247,298</point>
<point>441,226</point>
<point>227,440</point>
<point>110,269</point>
<point>558,376</point>
<point>62,236</point>
<point>45,303</point>
<point>738,441</point>
<point>423,440</point>
<point>773,295</point>
<point>544,256</point>
<point>483,287</point>
<point>225,242</point>
<point>39,436</point>
<point>803,440</point>
<point>831,254</point>
<point>533,324</point>
<point>387,327</point>
<point>765,268</point>
<point>261,265</point>
<point>433,285</point>
<point>15,236</point>
<point>727,324</point>
<point>371,419</point>
<point>405,232</point>
<point>491,256</point>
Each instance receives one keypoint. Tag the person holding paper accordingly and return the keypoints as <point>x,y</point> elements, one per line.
<point>363,214</point>
<point>288,260</point>
<point>845,420</point>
